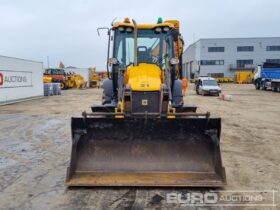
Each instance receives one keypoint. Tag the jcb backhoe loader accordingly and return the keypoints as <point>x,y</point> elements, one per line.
<point>143,134</point>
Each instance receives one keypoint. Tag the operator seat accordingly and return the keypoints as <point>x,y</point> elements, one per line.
<point>143,55</point>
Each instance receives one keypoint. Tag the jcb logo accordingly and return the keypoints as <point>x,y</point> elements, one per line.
<point>144,102</point>
<point>1,79</point>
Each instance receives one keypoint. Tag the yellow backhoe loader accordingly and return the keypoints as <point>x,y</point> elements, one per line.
<point>94,78</point>
<point>143,134</point>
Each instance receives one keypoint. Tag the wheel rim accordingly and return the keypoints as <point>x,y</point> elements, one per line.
<point>62,85</point>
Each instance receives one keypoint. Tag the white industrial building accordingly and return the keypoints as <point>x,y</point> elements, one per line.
<point>20,80</point>
<point>222,57</point>
<point>84,72</point>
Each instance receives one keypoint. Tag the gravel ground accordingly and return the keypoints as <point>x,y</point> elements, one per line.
<point>35,145</point>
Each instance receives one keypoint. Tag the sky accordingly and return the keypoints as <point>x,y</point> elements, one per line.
<point>66,30</point>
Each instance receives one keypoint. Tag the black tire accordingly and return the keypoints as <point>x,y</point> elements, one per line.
<point>263,86</point>
<point>177,94</point>
<point>257,85</point>
<point>107,95</point>
<point>63,85</point>
<point>274,87</point>
<point>278,88</point>
<point>106,99</point>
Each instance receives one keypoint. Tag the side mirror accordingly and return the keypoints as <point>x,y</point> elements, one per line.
<point>103,28</point>
<point>219,84</point>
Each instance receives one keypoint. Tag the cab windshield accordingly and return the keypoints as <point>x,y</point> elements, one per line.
<point>210,83</point>
<point>152,47</point>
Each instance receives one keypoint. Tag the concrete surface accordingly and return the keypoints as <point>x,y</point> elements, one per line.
<point>35,148</point>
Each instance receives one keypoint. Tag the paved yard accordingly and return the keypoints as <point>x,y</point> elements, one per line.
<point>35,148</point>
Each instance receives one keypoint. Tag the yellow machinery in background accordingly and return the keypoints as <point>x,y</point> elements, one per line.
<point>67,80</point>
<point>47,79</point>
<point>143,134</point>
<point>94,78</point>
<point>104,75</point>
<point>244,77</point>
<point>79,81</point>
<point>75,81</point>
<point>224,79</point>
<point>219,79</point>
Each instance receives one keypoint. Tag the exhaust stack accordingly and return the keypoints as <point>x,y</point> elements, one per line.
<point>135,43</point>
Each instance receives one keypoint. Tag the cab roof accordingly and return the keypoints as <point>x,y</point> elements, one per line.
<point>168,23</point>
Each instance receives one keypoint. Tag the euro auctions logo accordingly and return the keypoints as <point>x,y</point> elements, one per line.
<point>15,79</point>
<point>235,198</point>
<point>1,79</point>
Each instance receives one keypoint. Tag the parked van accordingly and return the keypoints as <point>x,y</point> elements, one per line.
<point>207,86</point>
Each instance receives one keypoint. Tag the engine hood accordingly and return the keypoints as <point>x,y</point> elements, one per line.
<point>144,77</point>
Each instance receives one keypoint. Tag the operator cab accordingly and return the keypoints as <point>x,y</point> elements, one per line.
<point>154,45</point>
<point>144,57</point>
<point>144,62</point>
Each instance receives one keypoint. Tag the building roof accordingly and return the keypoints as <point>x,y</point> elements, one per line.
<point>3,56</point>
<point>237,38</point>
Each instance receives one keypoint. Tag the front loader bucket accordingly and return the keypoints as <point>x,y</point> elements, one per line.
<point>146,152</point>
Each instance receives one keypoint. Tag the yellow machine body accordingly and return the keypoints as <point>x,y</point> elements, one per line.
<point>144,77</point>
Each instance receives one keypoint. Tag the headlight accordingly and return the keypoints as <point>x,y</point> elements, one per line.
<point>121,29</point>
<point>165,29</point>
<point>158,29</point>
<point>129,29</point>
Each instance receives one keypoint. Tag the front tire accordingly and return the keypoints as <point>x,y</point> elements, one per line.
<point>106,99</point>
<point>63,85</point>
<point>257,85</point>
<point>263,86</point>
